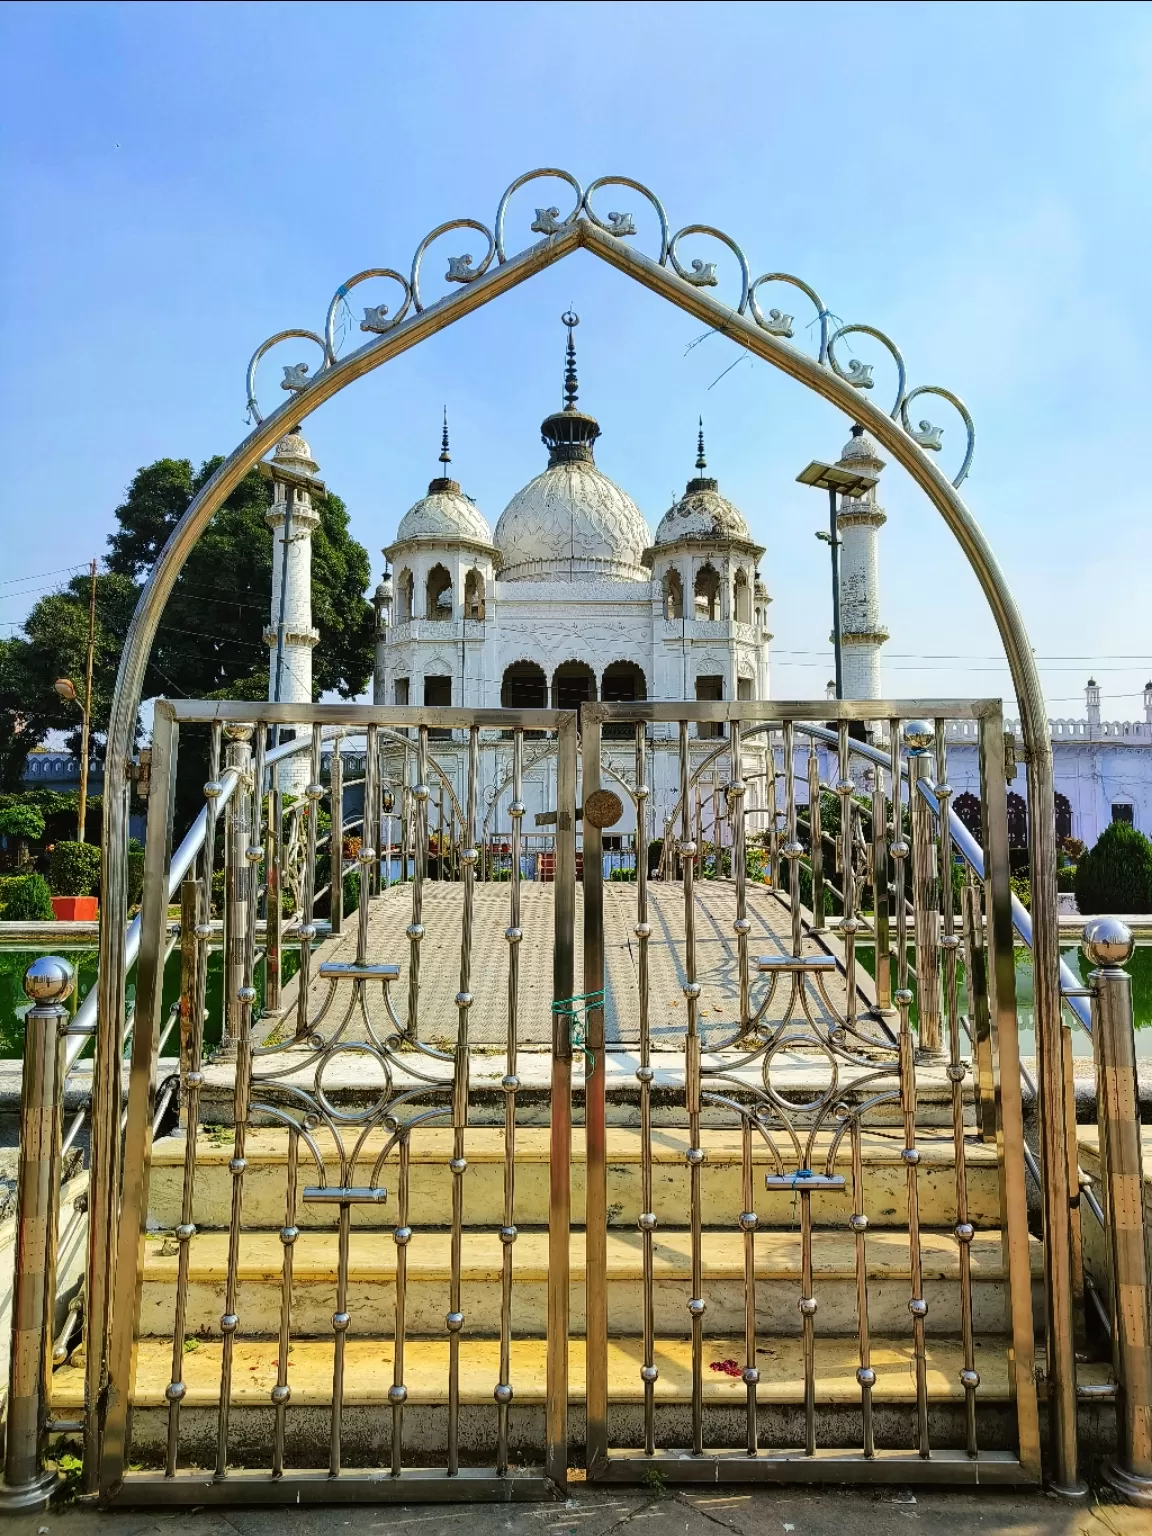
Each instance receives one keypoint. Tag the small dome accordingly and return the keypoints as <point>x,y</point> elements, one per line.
<point>444,514</point>
<point>572,521</point>
<point>702,513</point>
<point>860,450</point>
<point>294,453</point>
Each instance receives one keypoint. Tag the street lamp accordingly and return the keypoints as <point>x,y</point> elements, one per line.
<point>66,689</point>
<point>837,482</point>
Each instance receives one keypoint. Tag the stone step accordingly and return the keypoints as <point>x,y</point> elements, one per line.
<point>885,1198</point>
<point>371,1295</point>
<point>801,1075</point>
<point>366,1421</point>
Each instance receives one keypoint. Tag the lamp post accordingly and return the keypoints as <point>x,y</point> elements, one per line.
<point>66,688</point>
<point>837,482</point>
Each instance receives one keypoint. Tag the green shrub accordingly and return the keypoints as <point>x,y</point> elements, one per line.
<point>22,821</point>
<point>135,873</point>
<point>1022,888</point>
<point>1066,877</point>
<point>1116,874</point>
<point>25,898</point>
<point>622,874</point>
<point>74,869</point>
<point>351,889</point>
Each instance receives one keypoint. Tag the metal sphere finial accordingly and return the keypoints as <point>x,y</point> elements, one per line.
<point>918,735</point>
<point>49,979</point>
<point>1107,941</point>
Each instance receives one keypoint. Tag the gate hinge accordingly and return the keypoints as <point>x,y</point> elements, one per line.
<point>140,772</point>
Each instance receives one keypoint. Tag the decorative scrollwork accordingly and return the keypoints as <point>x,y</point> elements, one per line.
<point>929,436</point>
<point>547,220</point>
<point>295,378</point>
<point>377,319</point>
<point>859,374</point>
<point>622,223</point>
<point>460,268</point>
<point>699,272</point>
<point>774,323</point>
<point>703,273</point>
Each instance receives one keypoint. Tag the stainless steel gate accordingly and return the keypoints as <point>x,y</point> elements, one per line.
<point>342,1153</point>
<point>874,1121</point>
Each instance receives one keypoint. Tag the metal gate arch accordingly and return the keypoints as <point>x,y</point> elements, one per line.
<point>765,336</point>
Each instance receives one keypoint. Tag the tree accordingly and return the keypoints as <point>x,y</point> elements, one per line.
<point>211,639</point>
<point>210,642</point>
<point>1116,874</point>
<point>24,824</point>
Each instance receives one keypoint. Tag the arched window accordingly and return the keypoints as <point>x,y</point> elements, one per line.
<point>573,684</point>
<point>404,592</point>
<point>1063,818</point>
<point>967,807</point>
<point>438,603</point>
<point>742,599</point>
<point>1017,821</point>
<point>622,683</point>
<point>707,593</point>
<point>673,595</point>
<point>524,686</point>
<point>473,595</point>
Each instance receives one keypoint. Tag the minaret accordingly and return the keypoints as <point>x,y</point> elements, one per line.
<point>1092,699</point>
<point>290,635</point>
<point>858,524</point>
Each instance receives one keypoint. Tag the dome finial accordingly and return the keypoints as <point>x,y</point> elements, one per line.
<point>571,320</point>
<point>701,461</point>
<point>445,456</point>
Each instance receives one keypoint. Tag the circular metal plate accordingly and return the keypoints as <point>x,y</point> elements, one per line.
<point>603,808</point>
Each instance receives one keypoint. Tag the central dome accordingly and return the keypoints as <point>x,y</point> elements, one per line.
<point>571,523</point>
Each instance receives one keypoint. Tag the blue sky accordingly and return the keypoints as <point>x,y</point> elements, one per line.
<point>181,181</point>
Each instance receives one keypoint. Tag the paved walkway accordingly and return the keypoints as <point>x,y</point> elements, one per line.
<point>765,1511</point>
<point>716,959</point>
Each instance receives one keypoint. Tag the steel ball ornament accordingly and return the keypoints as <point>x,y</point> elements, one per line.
<point>49,979</point>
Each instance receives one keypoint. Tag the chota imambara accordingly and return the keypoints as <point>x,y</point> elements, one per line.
<point>573,598</point>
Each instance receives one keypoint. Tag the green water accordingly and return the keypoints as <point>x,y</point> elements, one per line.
<point>1139,968</point>
<point>14,1004</point>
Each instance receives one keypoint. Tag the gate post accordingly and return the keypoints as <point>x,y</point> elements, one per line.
<point>1107,943</point>
<point>28,1484</point>
<point>237,885</point>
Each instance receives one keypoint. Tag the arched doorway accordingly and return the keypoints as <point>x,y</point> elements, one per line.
<point>967,807</point>
<point>573,684</point>
<point>438,594</point>
<point>622,682</point>
<point>1063,817</point>
<point>673,595</point>
<point>524,686</point>
<point>706,592</point>
<point>474,595</point>
<point>742,598</point>
<point>1017,821</point>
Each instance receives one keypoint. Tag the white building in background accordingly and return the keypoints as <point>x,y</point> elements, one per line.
<point>572,599</point>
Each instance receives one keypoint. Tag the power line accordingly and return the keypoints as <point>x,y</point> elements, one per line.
<point>39,575</point>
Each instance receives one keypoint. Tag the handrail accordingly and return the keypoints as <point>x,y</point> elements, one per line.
<point>973,855</point>
<point>182,861</point>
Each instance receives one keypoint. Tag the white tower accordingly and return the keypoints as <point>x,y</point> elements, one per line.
<point>290,635</point>
<point>1092,699</point>
<point>858,524</point>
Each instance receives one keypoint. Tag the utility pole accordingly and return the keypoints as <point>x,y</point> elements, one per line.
<point>86,705</point>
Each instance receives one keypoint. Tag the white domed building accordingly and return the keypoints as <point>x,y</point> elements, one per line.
<point>571,598</point>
